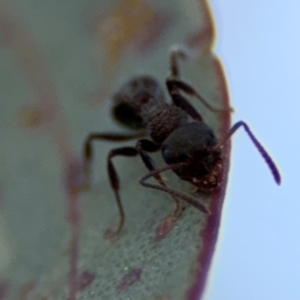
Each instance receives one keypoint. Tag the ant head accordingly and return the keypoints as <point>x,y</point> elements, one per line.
<point>192,143</point>
<point>128,101</point>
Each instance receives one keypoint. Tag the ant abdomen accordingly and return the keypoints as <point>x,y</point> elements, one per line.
<point>131,97</point>
<point>192,143</point>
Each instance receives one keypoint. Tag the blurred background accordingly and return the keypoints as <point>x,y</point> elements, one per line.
<point>258,255</point>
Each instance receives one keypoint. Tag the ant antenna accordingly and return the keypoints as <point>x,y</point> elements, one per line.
<point>257,144</point>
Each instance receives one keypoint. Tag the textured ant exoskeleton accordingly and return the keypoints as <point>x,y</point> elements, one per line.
<point>189,146</point>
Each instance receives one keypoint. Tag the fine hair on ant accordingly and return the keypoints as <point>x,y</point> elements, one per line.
<point>188,145</point>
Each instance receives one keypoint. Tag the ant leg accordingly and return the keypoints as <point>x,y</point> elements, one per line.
<point>257,144</point>
<point>192,201</point>
<point>179,52</point>
<point>88,150</point>
<point>184,104</point>
<point>144,146</point>
<point>176,85</point>
<point>115,182</point>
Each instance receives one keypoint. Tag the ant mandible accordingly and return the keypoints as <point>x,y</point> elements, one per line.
<point>188,145</point>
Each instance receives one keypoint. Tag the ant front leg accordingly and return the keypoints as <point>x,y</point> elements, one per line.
<point>88,154</point>
<point>144,146</point>
<point>174,193</point>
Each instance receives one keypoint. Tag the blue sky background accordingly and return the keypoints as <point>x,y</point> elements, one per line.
<point>258,255</point>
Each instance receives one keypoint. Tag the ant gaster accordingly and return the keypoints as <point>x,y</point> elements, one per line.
<point>188,145</point>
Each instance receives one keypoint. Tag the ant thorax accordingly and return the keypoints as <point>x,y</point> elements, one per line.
<point>162,120</point>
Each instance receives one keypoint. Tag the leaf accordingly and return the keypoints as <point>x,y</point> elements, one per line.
<point>54,238</point>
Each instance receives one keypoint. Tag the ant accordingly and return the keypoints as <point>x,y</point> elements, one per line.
<point>188,145</point>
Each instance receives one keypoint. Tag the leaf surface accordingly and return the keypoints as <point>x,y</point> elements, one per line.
<point>60,62</point>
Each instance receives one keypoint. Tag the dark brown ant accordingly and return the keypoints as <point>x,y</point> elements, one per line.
<point>189,148</point>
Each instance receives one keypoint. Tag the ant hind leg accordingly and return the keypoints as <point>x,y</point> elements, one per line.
<point>179,52</point>
<point>175,84</point>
